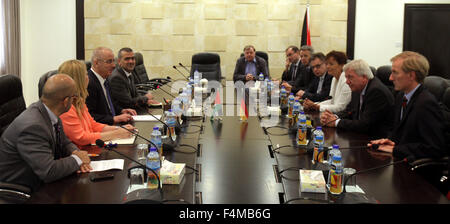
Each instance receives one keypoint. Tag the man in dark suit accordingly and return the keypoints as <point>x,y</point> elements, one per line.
<point>250,66</point>
<point>418,123</point>
<point>299,74</point>
<point>99,101</point>
<point>319,87</point>
<point>34,148</point>
<point>371,105</point>
<point>123,90</point>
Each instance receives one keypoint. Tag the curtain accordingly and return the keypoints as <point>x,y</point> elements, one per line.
<point>10,37</point>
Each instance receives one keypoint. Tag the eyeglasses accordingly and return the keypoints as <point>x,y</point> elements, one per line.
<point>73,97</point>
<point>109,61</point>
<point>317,66</point>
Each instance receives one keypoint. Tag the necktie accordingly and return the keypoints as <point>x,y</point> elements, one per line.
<point>108,95</point>
<point>319,86</point>
<point>58,147</point>
<point>404,103</point>
<point>294,71</point>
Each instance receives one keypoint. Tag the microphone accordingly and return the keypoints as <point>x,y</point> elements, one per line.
<point>156,198</point>
<point>371,169</point>
<point>175,67</point>
<point>159,87</point>
<point>184,67</point>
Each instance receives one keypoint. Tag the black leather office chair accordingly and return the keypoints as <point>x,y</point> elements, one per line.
<point>383,73</point>
<point>12,102</point>
<point>436,85</point>
<point>43,80</point>
<point>208,64</point>
<point>88,65</point>
<point>142,82</point>
<point>374,70</point>
<point>13,193</point>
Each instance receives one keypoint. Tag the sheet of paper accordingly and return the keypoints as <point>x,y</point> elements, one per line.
<point>107,165</point>
<point>146,117</point>
<point>122,141</point>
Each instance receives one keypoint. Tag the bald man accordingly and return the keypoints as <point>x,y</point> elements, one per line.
<point>34,148</point>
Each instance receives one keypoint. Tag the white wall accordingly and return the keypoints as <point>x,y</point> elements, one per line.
<point>379,29</point>
<point>48,38</point>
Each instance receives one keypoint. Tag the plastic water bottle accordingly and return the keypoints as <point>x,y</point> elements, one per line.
<point>283,96</point>
<point>333,152</point>
<point>153,162</point>
<point>302,130</point>
<point>261,77</point>
<point>156,139</point>
<point>296,110</point>
<point>335,176</point>
<point>197,78</point>
<point>318,145</point>
<point>291,101</point>
<point>171,123</point>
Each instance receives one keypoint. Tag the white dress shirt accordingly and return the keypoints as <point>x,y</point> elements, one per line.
<point>341,95</point>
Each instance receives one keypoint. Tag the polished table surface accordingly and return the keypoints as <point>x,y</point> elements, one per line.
<point>236,165</point>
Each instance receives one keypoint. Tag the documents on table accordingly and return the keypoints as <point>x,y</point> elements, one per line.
<point>103,165</point>
<point>146,117</point>
<point>122,141</point>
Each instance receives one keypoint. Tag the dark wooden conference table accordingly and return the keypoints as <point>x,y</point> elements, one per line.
<point>235,164</point>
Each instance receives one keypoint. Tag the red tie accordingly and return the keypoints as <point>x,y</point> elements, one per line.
<point>404,102</point>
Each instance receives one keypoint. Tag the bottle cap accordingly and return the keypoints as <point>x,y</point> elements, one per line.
<point>153,149</point>
<point>301,112</point>
<point>319,128</point>
<point>170,110</point>
<point>335,146</point>
<point>155,128</point>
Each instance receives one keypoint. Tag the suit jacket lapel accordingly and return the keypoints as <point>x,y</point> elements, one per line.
<point>48,122</point>
<point>410,104</point>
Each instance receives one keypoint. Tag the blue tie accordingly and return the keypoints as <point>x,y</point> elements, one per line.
<point>108,90</point>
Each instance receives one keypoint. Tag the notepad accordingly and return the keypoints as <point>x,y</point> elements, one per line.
<point>146,117</point>
<point>103,165</point>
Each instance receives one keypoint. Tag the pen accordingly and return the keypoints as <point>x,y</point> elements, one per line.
<point>92,155</point>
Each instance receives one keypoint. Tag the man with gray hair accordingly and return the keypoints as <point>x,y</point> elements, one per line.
<point>99,100</point>
<point>370,110</point>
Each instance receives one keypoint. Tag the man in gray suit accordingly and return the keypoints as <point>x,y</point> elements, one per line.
<point>34,148</point>
<point>123,90</point>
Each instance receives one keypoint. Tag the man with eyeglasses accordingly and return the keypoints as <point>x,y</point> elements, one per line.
<point>99,102</point>
<point>319,87</point>
<point>123,90</point>
<point>34,148</point>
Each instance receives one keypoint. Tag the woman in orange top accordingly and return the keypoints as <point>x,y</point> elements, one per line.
<point>78,124</point>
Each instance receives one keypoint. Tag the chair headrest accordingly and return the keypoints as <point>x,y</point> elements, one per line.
<point>383,73</point>
<point>139,58</point>
<point>205,58</point>
<point>436,85</point>
<point>10,88</point>
<point>446,97</point>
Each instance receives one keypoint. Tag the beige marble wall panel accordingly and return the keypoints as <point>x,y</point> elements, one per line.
<point>183,27</point>
<point>123,26</point>
<point>92,9</point>
<point>120,1</point>
<point>249,27</point>
<point>216,11</point>
<point>152,11</point>
<point>150,42</point>
<point>97,26</point>
<point>171,31</point>
<point>180,43</point>
<point>215,43</point>
<point>279,12</point>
